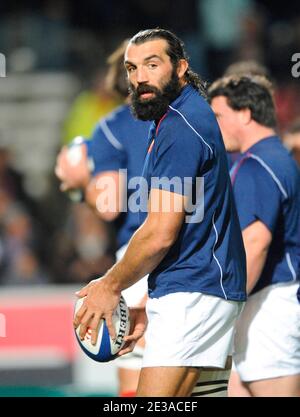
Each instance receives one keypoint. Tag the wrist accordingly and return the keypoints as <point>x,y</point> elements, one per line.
<point>113,284</point>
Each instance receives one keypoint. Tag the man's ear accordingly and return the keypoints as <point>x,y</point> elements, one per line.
<point>182,68</point>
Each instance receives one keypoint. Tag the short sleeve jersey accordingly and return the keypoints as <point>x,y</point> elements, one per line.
<point>186,155</point>
<point>266,188</point>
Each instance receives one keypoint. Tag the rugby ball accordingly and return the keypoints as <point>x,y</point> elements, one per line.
<point>106,349</point>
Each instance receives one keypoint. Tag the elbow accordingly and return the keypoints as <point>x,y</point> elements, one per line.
<point>163,241</point>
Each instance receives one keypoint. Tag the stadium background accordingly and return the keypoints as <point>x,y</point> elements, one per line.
<point>53,90</point>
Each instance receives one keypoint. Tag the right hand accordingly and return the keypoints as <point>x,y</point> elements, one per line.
<point>100,303</point>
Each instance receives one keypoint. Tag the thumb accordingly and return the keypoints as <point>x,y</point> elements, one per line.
<point>82,293</point>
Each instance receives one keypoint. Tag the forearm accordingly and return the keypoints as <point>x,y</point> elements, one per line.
<point>103,194</point>
<point>91,196</point>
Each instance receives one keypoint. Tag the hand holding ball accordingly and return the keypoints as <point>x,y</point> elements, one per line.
<point>106,349</point>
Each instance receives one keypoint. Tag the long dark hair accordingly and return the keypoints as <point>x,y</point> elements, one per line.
<point>176,52</point>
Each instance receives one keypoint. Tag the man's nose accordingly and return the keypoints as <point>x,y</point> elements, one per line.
<point>141,75</point>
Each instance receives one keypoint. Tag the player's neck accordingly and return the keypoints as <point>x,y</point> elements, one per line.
<point>252,136</point>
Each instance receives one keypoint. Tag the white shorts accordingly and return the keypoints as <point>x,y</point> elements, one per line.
<point>133,296</point>
<point>267,339</point>
<point>189,329</point>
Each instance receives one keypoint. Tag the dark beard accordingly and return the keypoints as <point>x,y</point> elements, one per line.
<point>156,107</point>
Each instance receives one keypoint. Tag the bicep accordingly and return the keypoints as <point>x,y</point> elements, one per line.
<point>257,196</point>
<point>257,237</point>
<point>166,213</point>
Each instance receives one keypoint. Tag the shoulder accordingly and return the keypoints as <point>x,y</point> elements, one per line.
<point>109,128</point>
<point>255,166</point>
<point>114,117</point>
<point>258,172</point>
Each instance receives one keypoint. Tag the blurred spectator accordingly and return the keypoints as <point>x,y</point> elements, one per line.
<point>287,99</point>
<point>19,262</point>
<point>11,181</point>
<point>19,235</point>
<point>291,139</point>
<point>81,249</point>
<point>221,23</point>
<point>36,36</point>
<point>250,45</point>
<point>250,67</point>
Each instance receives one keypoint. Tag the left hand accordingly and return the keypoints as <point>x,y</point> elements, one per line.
<point>138,325</point>
<point>100,303</point>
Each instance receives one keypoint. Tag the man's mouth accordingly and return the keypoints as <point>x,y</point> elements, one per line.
<point>146,96</point>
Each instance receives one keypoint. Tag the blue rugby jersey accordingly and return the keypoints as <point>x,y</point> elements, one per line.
<point>208,255</point>
<point>266,186</point>
<point>119,141</point>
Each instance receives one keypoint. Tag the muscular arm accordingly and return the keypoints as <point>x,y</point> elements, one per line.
<point>151,241</point>
<point>146,249</point>
<point>257,239</point>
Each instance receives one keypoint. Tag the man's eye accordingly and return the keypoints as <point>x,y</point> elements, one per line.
<point>130,69</point>
<point>152,66</point>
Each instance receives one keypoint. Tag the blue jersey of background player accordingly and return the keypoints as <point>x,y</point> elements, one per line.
<point>119,142</point>
<point>186,144</point>
<point>267,187</point>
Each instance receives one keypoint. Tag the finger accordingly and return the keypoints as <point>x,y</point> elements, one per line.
<point>136,335</point>
<point>127,349</point>
<point>85,324</point>
<point>83,292</point>
<point>94,326</point>
<point>78,317</point>
<point>110,326</point>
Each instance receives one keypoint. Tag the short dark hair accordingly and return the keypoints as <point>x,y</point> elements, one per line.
<point>176,52</point>
<point>247,92</point>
